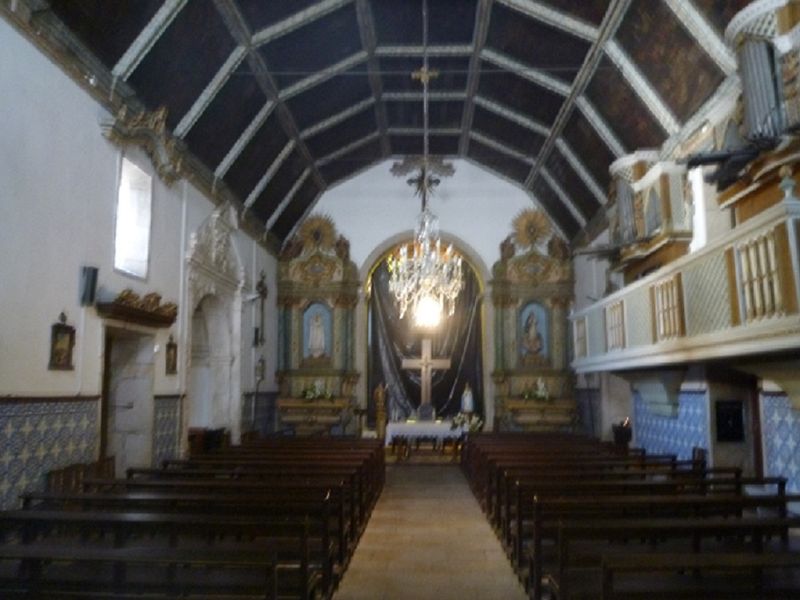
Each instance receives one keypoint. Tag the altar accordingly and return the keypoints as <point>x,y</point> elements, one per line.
<point>437,431</point>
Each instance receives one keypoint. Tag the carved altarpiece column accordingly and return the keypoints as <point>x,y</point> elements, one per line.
<point>531,293</point>
<point>317,296</point>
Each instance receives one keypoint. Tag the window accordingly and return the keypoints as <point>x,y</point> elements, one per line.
<point>132,232</point>
<point>615,326</point>
<point>668,308</point>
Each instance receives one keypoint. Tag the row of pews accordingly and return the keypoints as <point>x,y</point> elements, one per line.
<point>583,519</point>
<point>272,519</point>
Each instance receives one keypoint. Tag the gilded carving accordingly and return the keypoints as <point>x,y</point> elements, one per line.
<point>149,303</point>
<point>530,227</point>
<point>315,264</point>
<point>147,130</point>
<point>210,246</point>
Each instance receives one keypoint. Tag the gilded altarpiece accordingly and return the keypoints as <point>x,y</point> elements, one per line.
<point>317,295</point>
<point>532,289</point>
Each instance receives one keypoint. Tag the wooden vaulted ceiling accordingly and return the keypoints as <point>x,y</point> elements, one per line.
<point>281,99</point>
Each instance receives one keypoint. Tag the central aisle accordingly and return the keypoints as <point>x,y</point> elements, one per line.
<point>428,539</point>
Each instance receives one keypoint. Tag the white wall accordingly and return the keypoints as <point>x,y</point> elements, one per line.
<point>57,205</point>
<point>473,206</point>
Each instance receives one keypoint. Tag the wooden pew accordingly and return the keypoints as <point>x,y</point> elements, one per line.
<point>172,540</point>
<point>656,532</point>
<point>287,501</point>
<point>534,491</point>
<point>554,513</point>
<point>731,563</point>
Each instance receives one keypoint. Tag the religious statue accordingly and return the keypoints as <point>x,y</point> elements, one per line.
<point>541,391</point>
<point>316,337</point>
<point>467,403</point>
<point>533,339</point>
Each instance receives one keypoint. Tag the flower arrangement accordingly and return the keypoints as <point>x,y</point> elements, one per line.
<point>540,392</point>
<point>469,421</point>
<point>315,392</point>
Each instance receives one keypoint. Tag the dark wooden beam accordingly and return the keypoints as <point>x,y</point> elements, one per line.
<point>366,27</point>
<point>237,25</point>
<point>482,15</point>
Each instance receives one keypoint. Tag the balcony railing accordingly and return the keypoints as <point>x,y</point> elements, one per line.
<point>736,296</point>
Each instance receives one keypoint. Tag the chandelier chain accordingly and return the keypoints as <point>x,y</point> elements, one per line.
<point>423,273</point>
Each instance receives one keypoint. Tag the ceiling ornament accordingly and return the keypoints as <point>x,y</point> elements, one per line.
<point>423,275</point>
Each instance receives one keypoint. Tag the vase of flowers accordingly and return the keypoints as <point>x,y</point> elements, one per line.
<point>467,422</point>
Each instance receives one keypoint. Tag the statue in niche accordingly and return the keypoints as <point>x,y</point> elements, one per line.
<point>316,337</point>
<point>533,339</point>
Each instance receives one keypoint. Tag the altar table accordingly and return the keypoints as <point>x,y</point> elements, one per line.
<point>417,430</point>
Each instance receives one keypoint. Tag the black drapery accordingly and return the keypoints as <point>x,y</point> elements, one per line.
<point>392,339</point>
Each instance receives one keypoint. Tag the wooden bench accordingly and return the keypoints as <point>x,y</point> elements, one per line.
<point>730,563</point>
<point>654,532</point>
<point>123,539</point>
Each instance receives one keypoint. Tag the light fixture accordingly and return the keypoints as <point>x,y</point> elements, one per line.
<point>423,275</point>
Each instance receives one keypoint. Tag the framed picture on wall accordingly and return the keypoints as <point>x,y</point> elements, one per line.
<point>62,341</point>
<point>171,357</point>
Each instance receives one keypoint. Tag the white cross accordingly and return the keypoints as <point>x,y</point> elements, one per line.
<point>426,364</point>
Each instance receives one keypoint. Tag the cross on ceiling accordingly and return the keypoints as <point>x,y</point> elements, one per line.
<point>426,364</point>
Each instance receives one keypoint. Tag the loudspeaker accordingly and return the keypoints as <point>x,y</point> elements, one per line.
<point>88,285</point>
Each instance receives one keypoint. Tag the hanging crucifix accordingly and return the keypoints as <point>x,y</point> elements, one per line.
<point>426,364</point>
<point>261,290</point>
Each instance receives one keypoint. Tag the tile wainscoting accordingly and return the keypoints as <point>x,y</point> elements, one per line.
<point>166,428</point>
<point>659,434</point>
<point>780,428</point>
<point>41,434</point>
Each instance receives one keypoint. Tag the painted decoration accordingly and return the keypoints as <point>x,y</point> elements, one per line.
<point>533,332</point>
<point>317,332</point>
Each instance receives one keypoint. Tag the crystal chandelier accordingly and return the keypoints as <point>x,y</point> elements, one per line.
<point>423,275</point>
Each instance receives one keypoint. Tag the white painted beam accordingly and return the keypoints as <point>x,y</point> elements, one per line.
<point>147,38</point>
<point>526,72</point>
<point>337,118</point>
<point>211,90</point>
<point>704,34</point>
<point>297,20</point>
<point>345,149</point>
<point>501,147</point>
<point>555,18</point>
<point>285,202</point>
<point>565,199</point>
<point>580,169</point>
<point>600,126</point>
<point>273,168</point>
<point>649,96</point>
<point>323,75</point>
<point>512,115</point>
<point>244,139</point>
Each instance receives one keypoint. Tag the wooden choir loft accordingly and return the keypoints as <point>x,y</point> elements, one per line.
<point>214,382</point>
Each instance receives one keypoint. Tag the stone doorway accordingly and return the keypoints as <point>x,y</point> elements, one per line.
<point>128,405</point>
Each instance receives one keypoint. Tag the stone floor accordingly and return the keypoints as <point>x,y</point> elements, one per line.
<point>428,539</point>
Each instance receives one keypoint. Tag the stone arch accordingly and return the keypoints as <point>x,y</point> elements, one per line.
<point>483,274</point>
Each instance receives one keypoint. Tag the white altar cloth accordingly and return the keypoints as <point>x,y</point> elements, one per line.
<point>422,429</point>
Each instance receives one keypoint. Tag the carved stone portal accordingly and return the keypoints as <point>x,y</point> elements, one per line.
<point>216,277</point>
